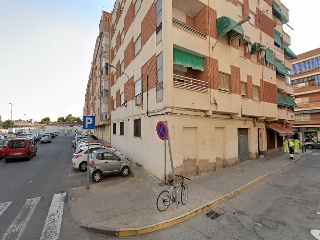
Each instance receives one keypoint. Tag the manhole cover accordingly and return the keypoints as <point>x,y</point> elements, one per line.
<point>213,214</point>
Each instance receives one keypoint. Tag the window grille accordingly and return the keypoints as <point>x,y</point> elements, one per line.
<point>224,81</point>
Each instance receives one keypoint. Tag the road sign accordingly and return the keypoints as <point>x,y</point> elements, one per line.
<point>89,122</point>
<point>162,130</point>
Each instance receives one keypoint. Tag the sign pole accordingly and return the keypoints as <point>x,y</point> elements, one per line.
<point>88,124</point>
<point>88,174</point>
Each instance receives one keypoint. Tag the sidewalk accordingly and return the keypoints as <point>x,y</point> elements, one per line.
<point>121,206</point>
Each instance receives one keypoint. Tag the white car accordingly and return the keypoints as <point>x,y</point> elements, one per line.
<point>46,137</point>
<point>79,159</point>
<point>85,144</point>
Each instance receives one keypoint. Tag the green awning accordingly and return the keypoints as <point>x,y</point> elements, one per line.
<point>257,47</point>
<point>188,60</point>
<point>269,56</point>
<point>282,100</point>
<point>289,52</point>
<point>245,40</point>
<point>282,69</point>
<point>277,9</point>
<point>226,24</point>
<point>291,102</point>
<point>277,38</point>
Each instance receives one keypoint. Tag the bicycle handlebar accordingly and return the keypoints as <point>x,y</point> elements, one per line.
<point>183,177</point>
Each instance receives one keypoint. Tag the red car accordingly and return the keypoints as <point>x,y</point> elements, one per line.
<point>18,148</point>
<point>2,151</point>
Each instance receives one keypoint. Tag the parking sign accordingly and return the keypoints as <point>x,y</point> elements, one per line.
<point>89,122</point>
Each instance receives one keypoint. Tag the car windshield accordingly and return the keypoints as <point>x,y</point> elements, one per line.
<point>17,144</point>
<point>78,151</point>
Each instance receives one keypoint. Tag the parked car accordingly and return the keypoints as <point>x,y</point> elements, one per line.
<point>56,133</point>
<point>312,145</point>
<point>85,144</point>
<point>79,159</point>
<point>20,148</point>
<point>2,150</point>
<point>45,138</point>
<point>52,135</point>
<point>105,162</point>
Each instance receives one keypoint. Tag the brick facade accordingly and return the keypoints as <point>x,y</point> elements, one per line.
<point>129,90</point>
<point>149,72</point>
<point>265,23</point>
<point>235,84</point>
<point>118,99</point>
<point>128,19</point>
<point>128,54</point>
<point>249,87</point>
<point>148,25</point>
<point>269,92</point>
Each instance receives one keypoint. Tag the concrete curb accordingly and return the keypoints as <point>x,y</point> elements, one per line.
<point>126,232</point>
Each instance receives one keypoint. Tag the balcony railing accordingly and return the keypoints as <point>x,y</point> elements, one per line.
<point>104,116</point>
<point>190,83</point>
<point>184,27</point>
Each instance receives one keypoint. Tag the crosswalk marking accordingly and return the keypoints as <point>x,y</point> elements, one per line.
<point>19,224</point>
<point>51,229</point>
<point>4,206</point>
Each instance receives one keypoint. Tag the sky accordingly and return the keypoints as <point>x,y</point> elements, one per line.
<point>46,49</point>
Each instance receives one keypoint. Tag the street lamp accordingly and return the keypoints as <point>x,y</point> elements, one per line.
<point>11,120</point>
<point>245,19</point>
<point>25,116</point>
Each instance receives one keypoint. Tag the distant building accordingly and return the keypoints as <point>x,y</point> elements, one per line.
<point>306,82</point>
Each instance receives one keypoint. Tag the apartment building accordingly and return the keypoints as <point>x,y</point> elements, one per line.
<point>306,82</point>
<point>219,78</point>
<point>97,92</point>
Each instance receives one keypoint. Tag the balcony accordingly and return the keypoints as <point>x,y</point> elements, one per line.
<point>190,83</point>
<point>309,105</point>
<point>189,7</point>
<point>286,38</point>
<point>104,117</point>
<point>104,93</point>
<point>186,28</point>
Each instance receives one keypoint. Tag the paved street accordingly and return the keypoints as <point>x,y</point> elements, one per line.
<point>34,203</point>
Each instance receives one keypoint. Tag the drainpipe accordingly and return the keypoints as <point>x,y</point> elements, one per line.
<point>147,95</point>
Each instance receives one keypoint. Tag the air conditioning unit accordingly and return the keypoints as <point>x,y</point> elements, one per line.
<point>138,100</point>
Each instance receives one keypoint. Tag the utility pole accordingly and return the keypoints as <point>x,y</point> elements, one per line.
<point>11,120</point>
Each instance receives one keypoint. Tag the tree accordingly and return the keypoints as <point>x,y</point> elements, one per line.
<point>70,118</point>
<point>78,120</point>
<point>61,119</point>
<point>7,124</point>
<point>45,120</point>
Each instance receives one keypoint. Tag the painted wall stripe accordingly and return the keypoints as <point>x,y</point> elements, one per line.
<point>4,206</point>
<point>20,222</point>
<point>51,229</point>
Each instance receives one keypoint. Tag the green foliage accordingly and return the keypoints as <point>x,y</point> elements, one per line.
<point>45,120</point>
<point>7,124</point>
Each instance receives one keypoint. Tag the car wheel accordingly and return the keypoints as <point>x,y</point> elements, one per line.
<point>41,142</point>
<point>35,153</point>
<point>29,157</point>
<point>310,146</point>
<point>96,176</point>
<point>6,160</point>
<point>83,166</point>
<point>125,171</point>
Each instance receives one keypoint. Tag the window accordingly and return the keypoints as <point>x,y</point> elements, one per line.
<point>159,89</point>
<point>115,104</point>
<point>137,6</point>
<point>137,127</point>
<point>137,87</point>
<point>256,93</point>
<point>252,18</point>
<point>122,36</point>
<point>224,81</point>
<point>137,46</point>
<point>159,21</point>
<point>122,98</point>
<point>240,9</point>
<point>122,67</point>
<point>121,128</point>
<point>114,126</point>
<point>243,89</point>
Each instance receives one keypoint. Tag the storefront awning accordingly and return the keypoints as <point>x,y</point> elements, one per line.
<point>188,60</point>
<point>277,38</point>
<point>245,40</point>
<point>289,52</point>
<point>282,69</point>
<point>226,24</point>
<point>283,131</point>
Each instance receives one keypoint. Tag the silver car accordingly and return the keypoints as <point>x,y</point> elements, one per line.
<point>108,161</point>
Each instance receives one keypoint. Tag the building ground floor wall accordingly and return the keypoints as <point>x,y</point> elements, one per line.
<point>102,132</point>
<point>199,144</point>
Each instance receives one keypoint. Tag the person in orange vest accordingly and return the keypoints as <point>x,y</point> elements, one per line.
<point>291,148</point>
<point>285,145</point>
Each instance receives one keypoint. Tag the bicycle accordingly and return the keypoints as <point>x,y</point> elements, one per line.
<point>167,197</point>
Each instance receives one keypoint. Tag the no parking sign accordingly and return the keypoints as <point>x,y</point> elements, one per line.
<point>162,130</point>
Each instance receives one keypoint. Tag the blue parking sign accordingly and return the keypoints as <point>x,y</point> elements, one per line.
<point>89,122</point>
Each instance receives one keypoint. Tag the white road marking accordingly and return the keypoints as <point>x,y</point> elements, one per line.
<point>20,222</point>
<point>51,229</point>
<point>4,206</point>
<point>315,154</point>
<point>315,233</point>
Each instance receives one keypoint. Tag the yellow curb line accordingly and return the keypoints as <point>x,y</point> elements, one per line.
<point>126,232</point>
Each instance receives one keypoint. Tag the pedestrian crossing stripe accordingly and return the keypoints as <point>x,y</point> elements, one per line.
<point>20,222</point>
<point>52,226</point>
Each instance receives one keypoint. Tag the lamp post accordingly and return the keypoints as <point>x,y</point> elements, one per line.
<point>25,116</point>
<point>11,120</point>
<point>245,19</point>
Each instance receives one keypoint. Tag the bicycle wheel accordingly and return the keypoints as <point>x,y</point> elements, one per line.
<point>184,195</point>
<point>163,200</point>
